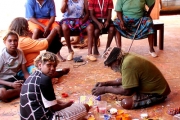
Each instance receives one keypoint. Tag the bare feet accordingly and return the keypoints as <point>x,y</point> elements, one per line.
<point>61,72</point>
<point>98,90</point>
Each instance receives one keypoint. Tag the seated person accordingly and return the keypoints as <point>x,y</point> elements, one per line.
<point>37,98</point>
<point>141,80</point>
<point>32,47</point>
<point>76,18</point>
<point>100,12</point>
<point>133,22</point>
<point>11,62</point>
<point>41,19</point>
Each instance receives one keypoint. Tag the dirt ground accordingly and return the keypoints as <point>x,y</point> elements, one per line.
<point>81,80</point>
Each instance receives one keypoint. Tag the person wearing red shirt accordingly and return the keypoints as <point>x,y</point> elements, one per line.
<point>100,12</point>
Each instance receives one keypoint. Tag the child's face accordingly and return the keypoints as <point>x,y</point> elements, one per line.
<point>48,68</point>
<point>11,43</point>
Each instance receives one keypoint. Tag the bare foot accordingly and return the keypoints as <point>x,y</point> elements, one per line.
<point>62,72</point>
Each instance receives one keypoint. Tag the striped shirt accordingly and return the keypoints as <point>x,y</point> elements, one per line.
<point>99,5</point>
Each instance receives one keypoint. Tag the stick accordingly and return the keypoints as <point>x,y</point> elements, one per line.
<point>16,79</point>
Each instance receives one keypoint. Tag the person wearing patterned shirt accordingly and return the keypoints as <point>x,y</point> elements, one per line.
<point>100,12</point>
<point>76,18</point>
<point>37,97</point>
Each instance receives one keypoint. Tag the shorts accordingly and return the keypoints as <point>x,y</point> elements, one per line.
<point>33,26</point>
<point>30,70</point>
<point>74,112</point>
<point>104,30</point>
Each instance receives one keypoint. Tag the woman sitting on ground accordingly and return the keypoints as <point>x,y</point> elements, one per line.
<point>76,17</point>
<point>31,47</point>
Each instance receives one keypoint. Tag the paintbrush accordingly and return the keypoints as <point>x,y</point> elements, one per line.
<point>16,79</point>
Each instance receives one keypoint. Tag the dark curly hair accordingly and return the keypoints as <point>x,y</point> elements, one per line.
<point>10,33</point>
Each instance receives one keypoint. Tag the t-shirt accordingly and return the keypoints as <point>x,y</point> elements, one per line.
<point>74,9</point>
<point>97,6</point>
<point>44,11</point>
<point>37,95</point>
<point>133,8</point>
<point>138,72</point>
<point>9,65</point>
<point>31,48</point>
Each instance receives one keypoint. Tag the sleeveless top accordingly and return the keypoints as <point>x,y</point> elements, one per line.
<point>74,9</point>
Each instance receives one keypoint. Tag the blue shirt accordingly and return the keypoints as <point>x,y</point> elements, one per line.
<point>44,11</point>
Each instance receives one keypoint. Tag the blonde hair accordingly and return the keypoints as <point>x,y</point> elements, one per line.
<point>45,57</point>
<point>10,33</point>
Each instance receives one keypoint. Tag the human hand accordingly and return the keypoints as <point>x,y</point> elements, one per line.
<point>106,24</point>
<point>101,26</point>
<point>46,31</point>
<point>100,84</point>
<point>17,84</point>
<point>122,26</point>
<point>98,91</point>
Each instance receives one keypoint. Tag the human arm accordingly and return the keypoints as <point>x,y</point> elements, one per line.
<point>15,84</point>
<point>120,17</point>
<point>46,28</point>
<point>24,70</point>
<point>118,90</point>
<point>106,24</point>
<point>64,6</point>
<point>85,18</point>
<point>116,82</point>
<point>150,4</point>
<point>34,20</point>
<point>100,25</point>
<point>30,13</point>
<point>150,9</point>
<point>61,105</point>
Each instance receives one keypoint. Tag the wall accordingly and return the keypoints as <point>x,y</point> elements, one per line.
<point>10,9</point>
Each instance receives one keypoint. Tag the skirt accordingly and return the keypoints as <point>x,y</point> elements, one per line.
<point>131,24</point>
<point>75,25</point>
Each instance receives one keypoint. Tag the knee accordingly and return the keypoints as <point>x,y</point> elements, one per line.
<point>111,30</point>
<point>36,31</point>
<point>90,28</point>
<point>65,27</point>
<point>127,103</point>
<point>58,28</point>
<point>2,93</point>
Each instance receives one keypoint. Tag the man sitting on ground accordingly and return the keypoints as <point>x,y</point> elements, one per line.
<point>141,80</point>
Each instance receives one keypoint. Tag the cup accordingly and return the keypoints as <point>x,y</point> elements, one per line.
<point>102,107</point>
